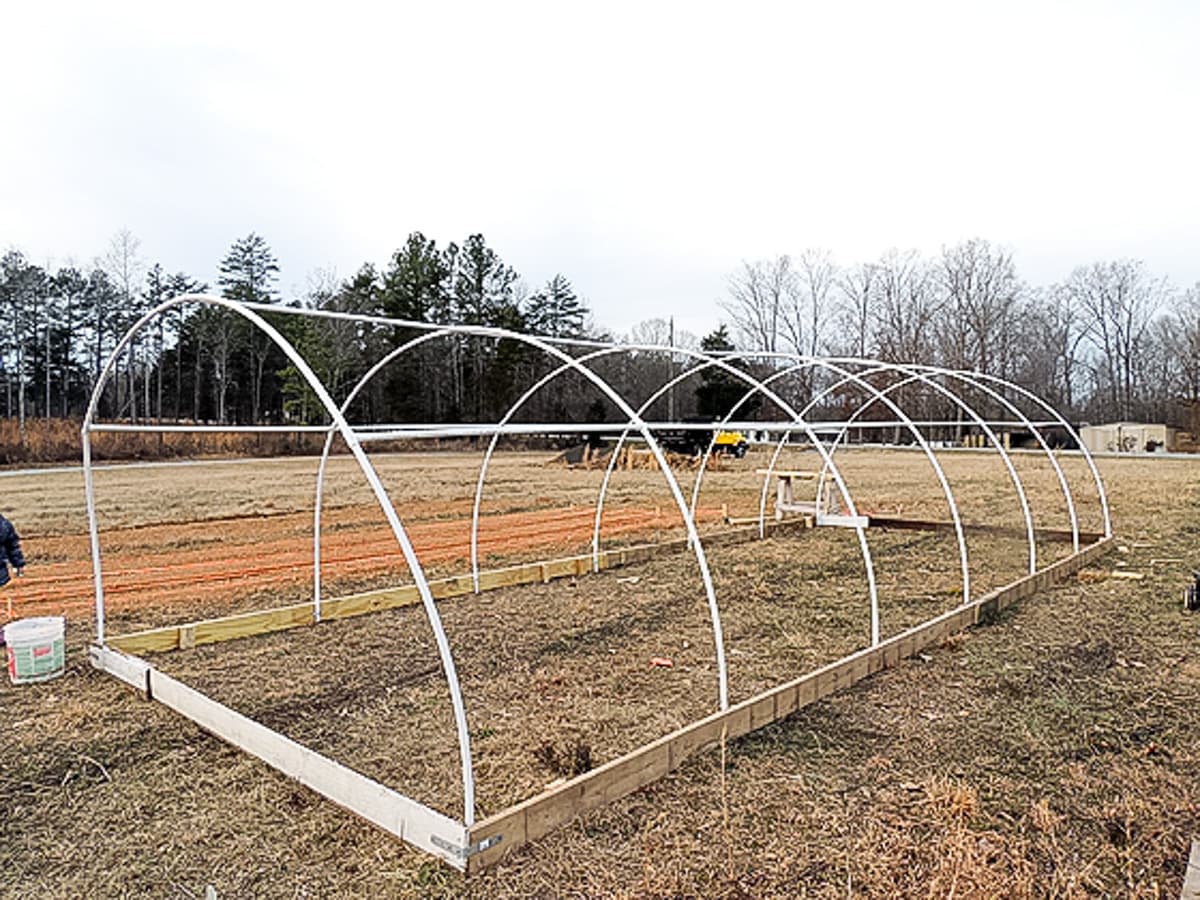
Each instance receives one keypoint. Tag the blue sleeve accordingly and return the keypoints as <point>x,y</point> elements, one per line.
<point>12,547</point>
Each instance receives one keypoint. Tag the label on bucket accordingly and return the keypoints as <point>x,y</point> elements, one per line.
<point>36,649</point>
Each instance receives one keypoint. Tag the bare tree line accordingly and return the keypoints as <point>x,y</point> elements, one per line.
<point>1110,341</point>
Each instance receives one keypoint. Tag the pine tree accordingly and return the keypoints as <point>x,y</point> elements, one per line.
<point>555,310</point>
<point>720,390</point>
<point>416,286</point>
<point>248,275</point>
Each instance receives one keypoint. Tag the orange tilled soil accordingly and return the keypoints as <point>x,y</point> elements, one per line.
<point>165,565</point>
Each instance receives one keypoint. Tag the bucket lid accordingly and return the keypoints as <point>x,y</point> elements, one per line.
<point>34,629</point>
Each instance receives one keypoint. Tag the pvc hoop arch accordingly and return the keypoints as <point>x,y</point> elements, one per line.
<point>572,363</point>
<point>1087,456</point>
<point>387,358</point>
<point>966,407</point>
<point>1012,408</point>
<point>348,435</point>
<point>710,360</point>
<point>858,377</point>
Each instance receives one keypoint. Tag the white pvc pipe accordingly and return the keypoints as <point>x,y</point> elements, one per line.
<point>571,363</point>
<point>993,439</point>
<point>1037,434</point>
<point>434,431</point>
<point>858,378</point>
<point>798,422</point>
<point>377,488</point>
<point>1059,420</point>
<point>159,428</point>
<point>318,504</point>
<point>89,493</point>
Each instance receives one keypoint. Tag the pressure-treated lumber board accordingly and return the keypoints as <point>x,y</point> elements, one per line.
<point>1057,535</point>
<point>225,628</point>
<point>129,669</point>
<point>228,628</point>
<point>156,640</point>
<point>395,813</point>
<point>489,841</point>
<point>510,829</point>
<point>216,630</point>
<point>1191,878</point>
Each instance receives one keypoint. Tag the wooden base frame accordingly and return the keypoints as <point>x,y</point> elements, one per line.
<point>485,843</point>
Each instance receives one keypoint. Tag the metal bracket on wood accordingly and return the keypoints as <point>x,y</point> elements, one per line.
<point>465,853</point>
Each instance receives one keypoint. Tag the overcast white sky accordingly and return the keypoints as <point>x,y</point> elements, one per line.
<point>641,149</point>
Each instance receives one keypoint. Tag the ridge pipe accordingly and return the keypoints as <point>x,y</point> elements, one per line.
<point>435,430</point>
<point>381,495</point>
<point>413,324</point>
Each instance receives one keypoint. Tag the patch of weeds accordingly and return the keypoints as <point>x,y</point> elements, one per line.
<point>566,760</point>
<point>1092,656</point>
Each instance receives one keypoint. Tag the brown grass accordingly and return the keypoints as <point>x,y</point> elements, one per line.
<point>1053,753</point>
<point>58,440</point>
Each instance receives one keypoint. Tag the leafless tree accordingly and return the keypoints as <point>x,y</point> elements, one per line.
<point>1175,350</point>
<point>125,269</point>
<point>982,294</point>
<point>1056,329</point>
<point>643,372</point>
<point>759,295</point>
<point>1185,346</point>
<point>856,287</point>
<point>806,320</point>
<point>906,307</point>
<point>1119,299</point>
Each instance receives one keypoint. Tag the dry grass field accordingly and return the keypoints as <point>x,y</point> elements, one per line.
<point>1053,753</point>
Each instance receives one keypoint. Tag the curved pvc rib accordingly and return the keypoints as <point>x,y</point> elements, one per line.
<point>1034,430</point>
<point>348,435</point>
<point>858,378</point>
<point>672,484</point>
<point>1087,456</point>
<point>987,430</point>
<point>797,422</point>
<point>89,492</point>
<point>491,449</point>
<point>904,420</point>
<point>572,364</point>
<point>321,467</point>
<point>612,460</point>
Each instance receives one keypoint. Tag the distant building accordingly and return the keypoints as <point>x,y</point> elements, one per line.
<point>1129,437</point>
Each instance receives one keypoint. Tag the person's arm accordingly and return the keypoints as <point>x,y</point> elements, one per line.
<point>15,556</point>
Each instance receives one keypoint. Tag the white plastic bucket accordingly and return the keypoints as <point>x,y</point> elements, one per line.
<point>36,649</point>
